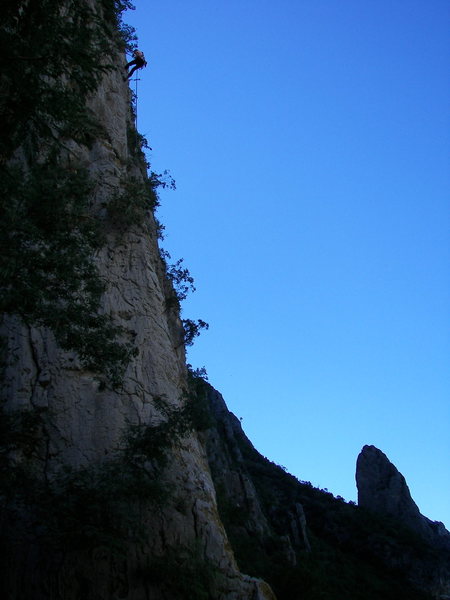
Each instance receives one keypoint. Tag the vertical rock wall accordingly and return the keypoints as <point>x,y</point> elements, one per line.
<point>84,420</point>
<point>383,490</point>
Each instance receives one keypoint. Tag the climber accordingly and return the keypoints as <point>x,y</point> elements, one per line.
<point>138,62</point>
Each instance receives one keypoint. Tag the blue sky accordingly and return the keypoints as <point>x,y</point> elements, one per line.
<point>309,140</point>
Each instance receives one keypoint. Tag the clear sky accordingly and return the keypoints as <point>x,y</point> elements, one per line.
<point>310,144</point>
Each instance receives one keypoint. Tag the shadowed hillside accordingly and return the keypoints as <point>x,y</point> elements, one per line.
<point>305,542</point>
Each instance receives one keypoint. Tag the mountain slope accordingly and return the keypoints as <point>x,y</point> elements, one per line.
<point>303,541</point>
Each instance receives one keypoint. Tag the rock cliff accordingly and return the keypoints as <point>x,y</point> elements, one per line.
<point>122,474</point>
<point>80,422</point>
<point>305,542</point>
<point>383,489</point>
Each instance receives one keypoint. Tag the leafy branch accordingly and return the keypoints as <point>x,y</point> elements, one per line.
<point>48,234</point>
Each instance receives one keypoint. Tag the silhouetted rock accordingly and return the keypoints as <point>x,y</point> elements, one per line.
<point>308,544</point>
<point>383,489</point>
<point>81,421</point>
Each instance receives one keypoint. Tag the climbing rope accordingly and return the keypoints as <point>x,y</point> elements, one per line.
<point>136,79</point>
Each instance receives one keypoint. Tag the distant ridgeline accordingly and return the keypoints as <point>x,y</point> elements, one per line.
<point>122,473</point>
<point>308,544</point>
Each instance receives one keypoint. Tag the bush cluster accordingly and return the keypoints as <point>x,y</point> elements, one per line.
<point>101,504</point>
<point>48,233</point>
<point>48,229</point>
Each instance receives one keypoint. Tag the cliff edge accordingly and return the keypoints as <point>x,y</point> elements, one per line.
<point>382,489</point>
<point>106,491</point>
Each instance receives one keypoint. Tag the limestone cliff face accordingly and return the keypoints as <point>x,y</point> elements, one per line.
<point>84,420</point>
<point>87,515</point>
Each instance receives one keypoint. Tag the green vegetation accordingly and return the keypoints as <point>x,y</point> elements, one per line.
<point>183,573</point>
<point>345,559</point>
<point>48,238</point>
<point>49,229</point>
<point>130,205</point>
<point>182,283</point>
<point>192,329</point>
<point>52,58</point>
<point>101,504</point>
<point>104,504</point>
<point>180,277</point>
<point>77,509</point>
<point>197,400</point>
<point>351,554</point>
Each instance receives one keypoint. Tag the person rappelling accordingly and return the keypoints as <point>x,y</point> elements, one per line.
<point>138,61</point>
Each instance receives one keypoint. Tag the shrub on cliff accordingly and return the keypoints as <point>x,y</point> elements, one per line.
<point>49,58</point>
